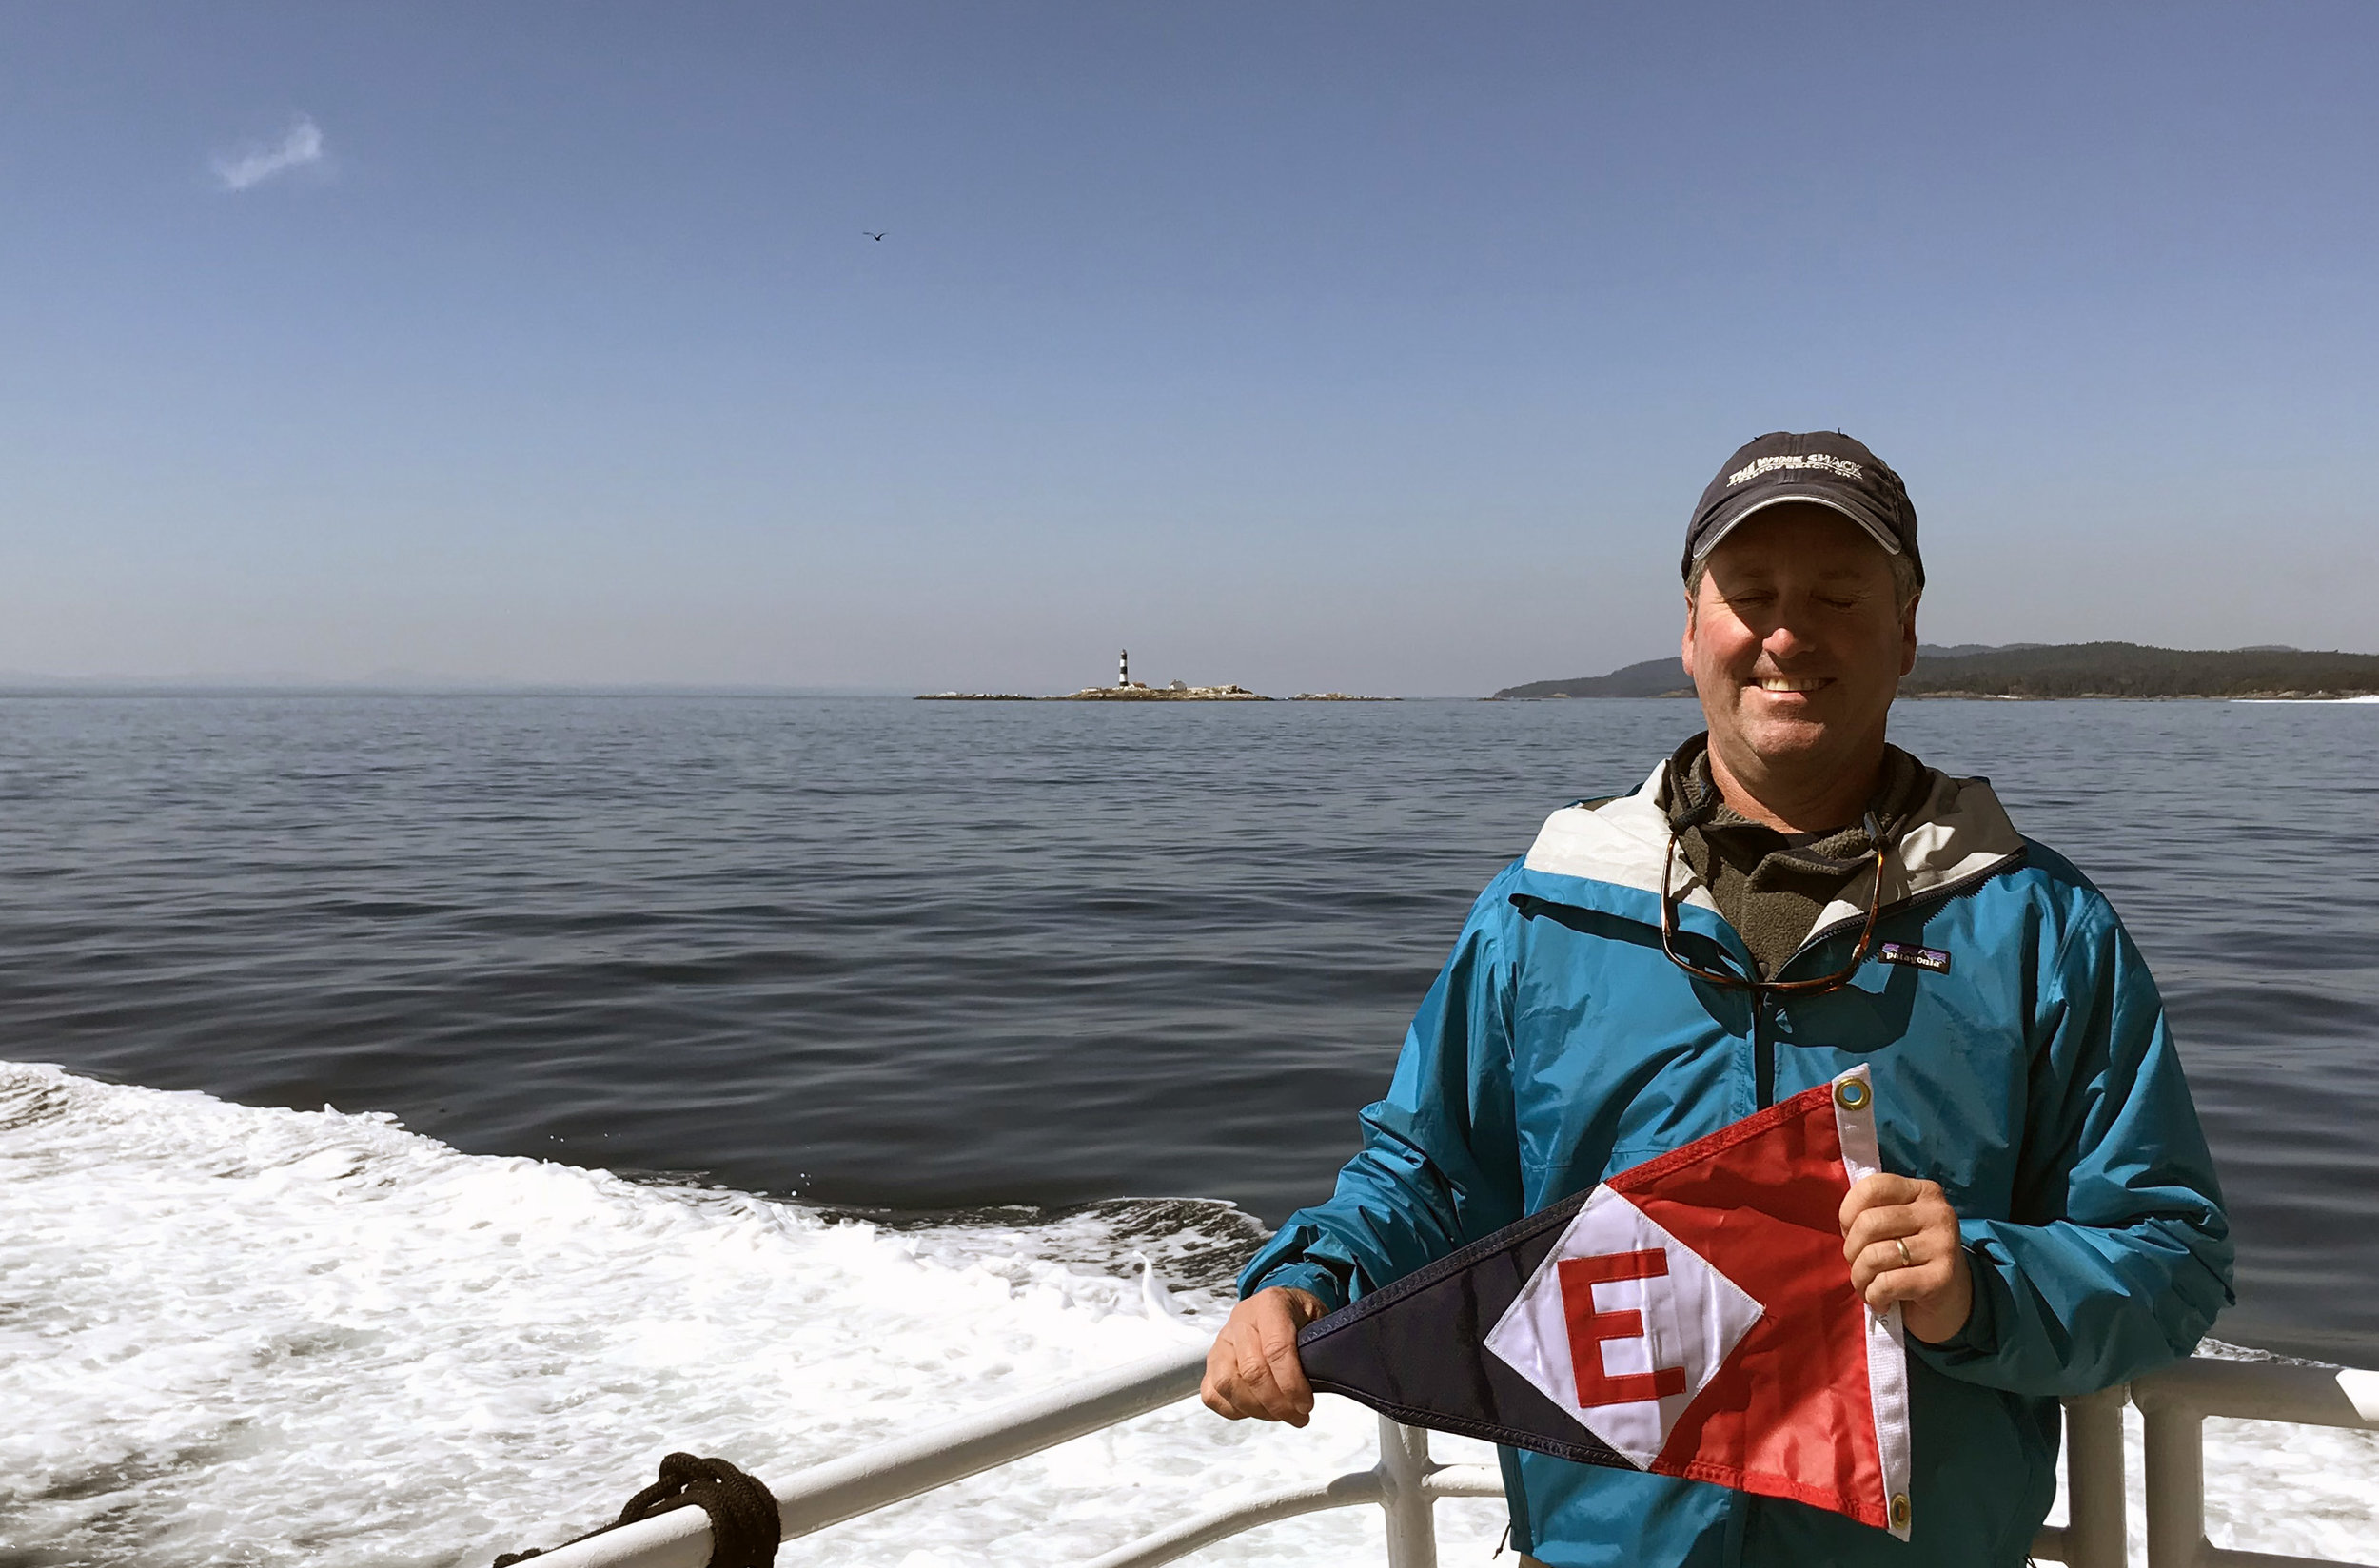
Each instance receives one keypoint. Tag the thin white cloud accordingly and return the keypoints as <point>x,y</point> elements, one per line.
<point>254,165</point>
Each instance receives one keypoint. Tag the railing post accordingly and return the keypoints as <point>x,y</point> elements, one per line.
<point>1404,1466</point>
<point>2094,1533</point>
<point>2175,1476</point>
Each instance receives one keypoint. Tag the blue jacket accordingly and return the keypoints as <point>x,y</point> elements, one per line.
<point>2034,1078</point>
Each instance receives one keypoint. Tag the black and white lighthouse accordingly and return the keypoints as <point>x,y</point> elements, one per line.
<point>1123,668</point>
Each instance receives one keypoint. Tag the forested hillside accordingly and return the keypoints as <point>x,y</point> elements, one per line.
<point>2051,670</point>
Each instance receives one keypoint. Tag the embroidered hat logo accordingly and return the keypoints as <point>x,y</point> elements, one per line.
<point>1752,470</point>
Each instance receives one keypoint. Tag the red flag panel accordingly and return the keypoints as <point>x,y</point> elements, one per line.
<point>1789,1414</point>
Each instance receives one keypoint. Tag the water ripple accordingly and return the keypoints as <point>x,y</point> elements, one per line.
<point>922,956</point>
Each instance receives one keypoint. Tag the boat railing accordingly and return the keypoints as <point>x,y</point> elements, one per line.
<point>1406,1483</point>
<point>2174,1403</point>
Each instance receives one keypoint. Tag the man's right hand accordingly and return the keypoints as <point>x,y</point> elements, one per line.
<point>1252,1369</point>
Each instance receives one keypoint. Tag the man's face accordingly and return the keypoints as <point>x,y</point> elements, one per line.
<point>1793,643</point>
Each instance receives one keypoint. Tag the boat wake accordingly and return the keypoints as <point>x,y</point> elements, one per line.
<point>281,1337</point>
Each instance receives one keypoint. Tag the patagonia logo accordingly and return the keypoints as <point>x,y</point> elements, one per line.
<point>1832,464</point>
<point>1915,957</point>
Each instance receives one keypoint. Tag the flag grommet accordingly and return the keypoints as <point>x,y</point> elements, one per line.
<point>1851,1094</point>
<point>1900,1510</point>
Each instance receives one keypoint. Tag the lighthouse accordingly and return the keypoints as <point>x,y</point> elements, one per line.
<point>1123,668</point>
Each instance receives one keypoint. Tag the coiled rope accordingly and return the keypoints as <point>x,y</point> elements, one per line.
<point>745,1528</point>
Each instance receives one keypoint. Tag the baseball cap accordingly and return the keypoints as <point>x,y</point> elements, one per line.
<point>1823,466</point>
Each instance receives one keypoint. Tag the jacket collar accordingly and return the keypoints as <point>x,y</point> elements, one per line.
<point>1957,835</point>
<point>1621,842</point>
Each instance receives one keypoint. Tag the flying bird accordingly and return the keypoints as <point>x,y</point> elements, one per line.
<point>873,233</point>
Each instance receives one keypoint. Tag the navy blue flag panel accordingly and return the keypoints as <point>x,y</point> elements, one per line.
<point>1411,1349</point>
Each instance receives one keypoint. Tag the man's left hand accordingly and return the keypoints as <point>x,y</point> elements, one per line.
<point>1900,1236</point>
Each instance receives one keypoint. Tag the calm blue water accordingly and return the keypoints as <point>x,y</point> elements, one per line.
<point>927,956</point>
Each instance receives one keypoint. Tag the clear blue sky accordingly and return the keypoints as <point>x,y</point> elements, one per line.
<point>1366,346</point>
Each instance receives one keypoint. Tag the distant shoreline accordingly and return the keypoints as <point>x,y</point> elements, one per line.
<point>2054,672</point>
<point>1685,695</point>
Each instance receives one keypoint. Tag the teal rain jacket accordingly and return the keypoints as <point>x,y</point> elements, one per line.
<point>2034,1078</point>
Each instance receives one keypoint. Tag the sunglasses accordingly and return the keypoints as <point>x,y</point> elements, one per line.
<point>1763,989</point>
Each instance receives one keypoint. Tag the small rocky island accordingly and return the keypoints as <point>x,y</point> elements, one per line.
<point>1177,691</point>
<point>1127,690</point>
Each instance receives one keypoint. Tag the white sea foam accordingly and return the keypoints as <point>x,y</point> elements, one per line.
<point>267,1336</point>
<point>272,1337</point>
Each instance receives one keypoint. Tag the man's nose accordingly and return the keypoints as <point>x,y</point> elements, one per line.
<point>1786,640</point>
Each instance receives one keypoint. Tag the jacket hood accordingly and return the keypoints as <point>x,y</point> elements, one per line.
<point>1957,834</point>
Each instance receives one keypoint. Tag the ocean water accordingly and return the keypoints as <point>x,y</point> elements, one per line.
<point>760,1076</point>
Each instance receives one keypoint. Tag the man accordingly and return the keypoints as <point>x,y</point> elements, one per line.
<point>1786,896</point>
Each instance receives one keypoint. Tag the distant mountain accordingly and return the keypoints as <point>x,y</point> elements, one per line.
<point>2051,670</point>
<point>1666,677</point>
<point>1653,678</point>
<point>1966,650</point>
<point>2130,669</point>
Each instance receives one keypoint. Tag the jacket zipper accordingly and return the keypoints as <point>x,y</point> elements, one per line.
<point>1763,1042</point>
<point>1763,1054</point>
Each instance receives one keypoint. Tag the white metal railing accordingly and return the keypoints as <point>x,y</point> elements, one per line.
<point>888,1473</point>
<point>2175,1403</point>
<point>2092,1536</point>
<point>1406,1483</point>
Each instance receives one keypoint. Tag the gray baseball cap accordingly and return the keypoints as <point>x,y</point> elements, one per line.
<point>1823,466</point>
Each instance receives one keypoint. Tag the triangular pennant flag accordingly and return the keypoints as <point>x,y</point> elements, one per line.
<point>1692,1316</point>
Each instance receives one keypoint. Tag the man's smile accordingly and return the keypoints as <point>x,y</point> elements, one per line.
<point>1793,683</point>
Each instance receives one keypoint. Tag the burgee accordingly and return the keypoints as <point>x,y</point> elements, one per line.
<point>1692,1316</point>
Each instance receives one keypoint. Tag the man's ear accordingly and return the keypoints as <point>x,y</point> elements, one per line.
<point>1685,641</point>
<point>1908,633</point>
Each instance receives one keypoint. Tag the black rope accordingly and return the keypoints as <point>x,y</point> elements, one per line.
<point>744,1527</point>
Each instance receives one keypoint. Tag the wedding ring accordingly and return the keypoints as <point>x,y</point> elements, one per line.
<point>1906,1261</point>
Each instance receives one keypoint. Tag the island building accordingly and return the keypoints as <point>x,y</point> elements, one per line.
<point>1126,688</point>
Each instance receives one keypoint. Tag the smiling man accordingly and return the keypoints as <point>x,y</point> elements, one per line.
<point>1789,896</point>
